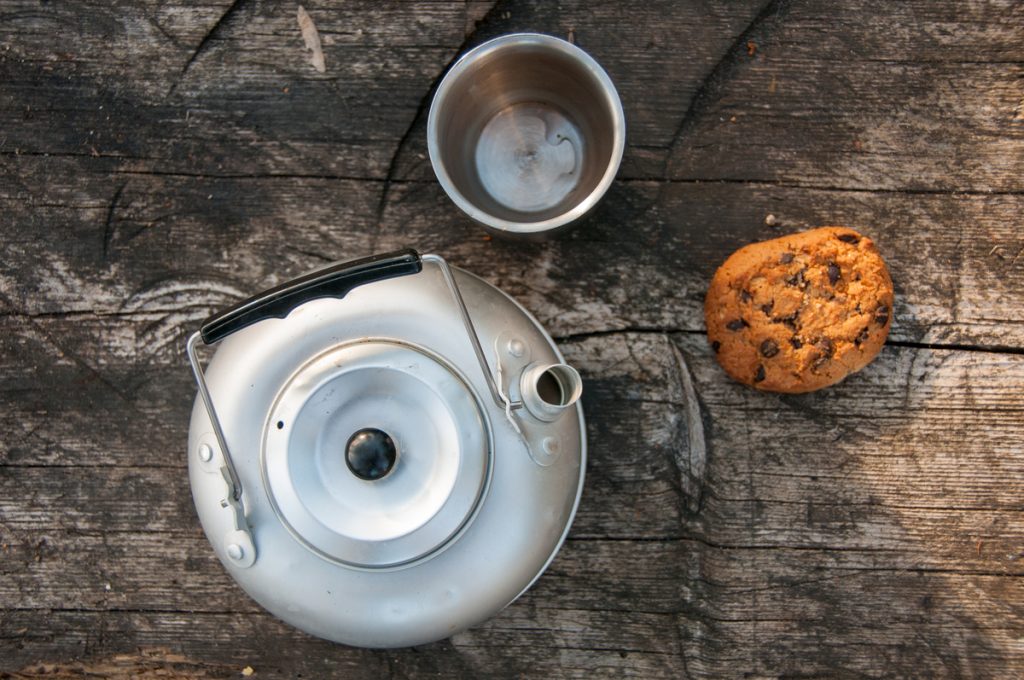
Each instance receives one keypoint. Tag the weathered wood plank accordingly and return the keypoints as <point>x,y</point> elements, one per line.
<point>858,96</point>
<point>785,611</point>
<point>240,99</point>
<point>151,662</point>
<point>956,260</point>
<point>571,647</point>
<point>831,97</point>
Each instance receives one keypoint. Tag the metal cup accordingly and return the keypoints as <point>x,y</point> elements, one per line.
<point>526,133</point>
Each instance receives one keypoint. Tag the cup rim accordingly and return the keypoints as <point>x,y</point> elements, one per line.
<point>611,97</point>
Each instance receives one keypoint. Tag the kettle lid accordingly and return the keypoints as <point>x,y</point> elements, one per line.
<point>376,453</point>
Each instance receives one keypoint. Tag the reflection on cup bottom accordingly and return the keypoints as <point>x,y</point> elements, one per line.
<point>529,156</point>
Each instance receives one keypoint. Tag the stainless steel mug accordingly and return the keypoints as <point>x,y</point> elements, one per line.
<point>526,133</point>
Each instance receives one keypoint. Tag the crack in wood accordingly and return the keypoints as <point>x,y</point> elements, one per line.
<point>421,109</point>
<point>655,330</point>
<point>767,183</point>
<point>145,313</point>
<point>625,180</point>
<point>17,153</point>
<point>78,361</point>
<point>264,175</point>
<point>944,62</point>
<point>690,465</point>
<point>108,223</point>
<point>165,33</point>
<point>734,546</point>
<point>69,206</point>
<point>639,330</point>
<point>953,347</point>
<point>710,88</point>
<point>204,43</point>
<point>873,505</point>
<point>148,313</point>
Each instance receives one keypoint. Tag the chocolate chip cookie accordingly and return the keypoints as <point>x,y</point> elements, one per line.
<point>800,312</point>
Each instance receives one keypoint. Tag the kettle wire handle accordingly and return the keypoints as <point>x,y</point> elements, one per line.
<point>474,339</point>
<point>334,281</point>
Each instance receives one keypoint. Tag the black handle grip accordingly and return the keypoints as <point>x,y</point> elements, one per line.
<point>334,281</point>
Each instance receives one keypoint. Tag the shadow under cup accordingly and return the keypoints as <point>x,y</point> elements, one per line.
<point>526,133</point>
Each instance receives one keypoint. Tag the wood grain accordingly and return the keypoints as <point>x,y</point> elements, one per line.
<point>160,160</point>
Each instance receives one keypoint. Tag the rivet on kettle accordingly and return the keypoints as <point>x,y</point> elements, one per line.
<point>205,453</point>
<point>516,347</point>
<point>235,552</point>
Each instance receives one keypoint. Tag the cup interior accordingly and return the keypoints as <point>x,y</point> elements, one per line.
<point>525,131</point>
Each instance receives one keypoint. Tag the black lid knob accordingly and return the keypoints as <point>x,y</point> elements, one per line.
<point>370,454</point>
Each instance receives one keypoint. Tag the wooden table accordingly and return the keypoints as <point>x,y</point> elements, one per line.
<point>161,159</point>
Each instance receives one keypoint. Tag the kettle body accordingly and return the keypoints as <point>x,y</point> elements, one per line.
<point>386,452</point>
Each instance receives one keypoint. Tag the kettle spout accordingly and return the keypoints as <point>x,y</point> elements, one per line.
<point>549,389</point>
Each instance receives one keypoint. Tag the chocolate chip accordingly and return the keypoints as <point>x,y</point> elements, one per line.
<point>759,376</point>
<point>745,296</point>
<point>795,341</point>
<point>882,315</point>
<point>789,321</point>
<point>737,325</point>
<point>849,238</point>
<point>797,279</point>
<point>769,349</point>
<point>833,273</point>
<point>767,309</point>
<point>825,350</point>
<point>861,337</point>
<point>786,258</point>
<point>716,345</point>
